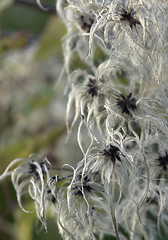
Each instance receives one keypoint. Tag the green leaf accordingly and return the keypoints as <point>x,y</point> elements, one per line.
<point>51,39</point>
<point>33,144</point>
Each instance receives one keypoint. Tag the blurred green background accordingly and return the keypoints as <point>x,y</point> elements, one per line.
<point>32,109</point>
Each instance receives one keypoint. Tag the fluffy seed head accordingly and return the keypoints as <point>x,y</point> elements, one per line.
<point>92,87</point>
<point>127,104</point>
<point>163,161</point>
<point>128,16</point>
<point>112,152</point>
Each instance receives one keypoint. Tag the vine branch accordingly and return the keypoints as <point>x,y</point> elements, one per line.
<point>27,3</point>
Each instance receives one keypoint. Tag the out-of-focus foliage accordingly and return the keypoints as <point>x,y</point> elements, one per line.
<point>4,4</point>
<point>20,17</point>
<point>32,109</point>
<point>56,29</point>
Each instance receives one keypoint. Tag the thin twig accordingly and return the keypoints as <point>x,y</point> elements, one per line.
<point>60,169</point>
<point>26,3</point>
